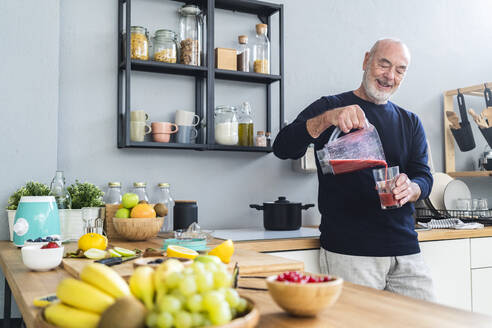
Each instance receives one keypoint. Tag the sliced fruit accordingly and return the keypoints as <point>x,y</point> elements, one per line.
<point>223,251</point>
<point>93,240</point>
<point>124,252</point>
<point>83,296</point>
<point>66,316</point>
<point>179,251</point>
<point>114,253</point>
<point>106,279</point>
<point>95,254</point>
<point>143,211</point>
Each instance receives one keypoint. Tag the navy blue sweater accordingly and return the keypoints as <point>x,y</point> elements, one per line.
<point>352,221</point>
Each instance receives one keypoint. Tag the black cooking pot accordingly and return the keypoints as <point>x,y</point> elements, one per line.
<point>282,214</point>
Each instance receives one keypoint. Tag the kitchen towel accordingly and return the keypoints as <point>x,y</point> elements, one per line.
<point>451,224</point>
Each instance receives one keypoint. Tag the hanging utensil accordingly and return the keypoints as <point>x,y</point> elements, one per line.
<point>481,122</point>
<point>453,119</point>
<point>487,112</point>
<point>463,135</point>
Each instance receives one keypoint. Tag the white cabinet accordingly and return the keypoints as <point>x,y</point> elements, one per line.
<point>449,263</point>
<point>482,290</point>
<point>481,252</point>
<point>309,257</point>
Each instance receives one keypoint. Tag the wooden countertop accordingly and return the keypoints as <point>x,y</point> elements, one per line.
<point>358,306</point>
<point>275,245</point>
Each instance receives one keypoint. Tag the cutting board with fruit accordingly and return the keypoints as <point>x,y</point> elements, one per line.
<point>75,266</point>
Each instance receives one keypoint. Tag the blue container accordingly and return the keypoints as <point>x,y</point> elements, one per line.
<point>36,217</point>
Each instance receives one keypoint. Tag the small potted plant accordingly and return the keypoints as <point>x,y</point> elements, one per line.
<point>86,201</point>
<point>31,188</point>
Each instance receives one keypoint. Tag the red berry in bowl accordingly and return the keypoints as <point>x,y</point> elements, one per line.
<point>51,244</point>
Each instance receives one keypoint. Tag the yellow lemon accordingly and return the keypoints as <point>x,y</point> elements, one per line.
<point>178,251</point>
<point>93,240</point>
<point>224,251</point>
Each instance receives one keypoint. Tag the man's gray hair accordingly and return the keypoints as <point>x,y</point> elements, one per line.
<point>387,39</point>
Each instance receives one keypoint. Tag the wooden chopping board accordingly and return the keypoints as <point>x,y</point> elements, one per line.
<point>74,266</point>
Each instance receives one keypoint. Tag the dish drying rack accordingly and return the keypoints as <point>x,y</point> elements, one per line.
<point>480,216</point>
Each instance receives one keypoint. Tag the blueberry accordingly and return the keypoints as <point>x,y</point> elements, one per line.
<point>29,240</point>
<point>49,238</point>
<point>39,239</point>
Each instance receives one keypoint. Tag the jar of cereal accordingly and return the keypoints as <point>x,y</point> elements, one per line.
<point>165,46</point>
<point>139,46</point>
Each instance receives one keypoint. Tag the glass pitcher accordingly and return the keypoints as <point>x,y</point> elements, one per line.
<point>190,34</point>
<point>352,152</point>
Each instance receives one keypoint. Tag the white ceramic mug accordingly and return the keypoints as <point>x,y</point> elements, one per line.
<point>138,130</point>
<point>139,116</point>
<point>186,118</point>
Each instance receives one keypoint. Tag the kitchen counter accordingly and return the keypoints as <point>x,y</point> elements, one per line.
<point>313,242</point>
<point>358,306</point>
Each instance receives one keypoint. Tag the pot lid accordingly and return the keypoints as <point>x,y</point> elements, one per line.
<point>281,200</point>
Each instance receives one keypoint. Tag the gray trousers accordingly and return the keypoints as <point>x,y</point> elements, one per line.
<point>406,275</point>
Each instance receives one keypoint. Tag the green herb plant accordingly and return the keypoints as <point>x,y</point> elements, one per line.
<point>32,188</point>
<point>85,195</point>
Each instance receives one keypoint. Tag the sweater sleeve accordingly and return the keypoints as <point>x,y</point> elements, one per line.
<point>292,140</point>
<point>418,170</point>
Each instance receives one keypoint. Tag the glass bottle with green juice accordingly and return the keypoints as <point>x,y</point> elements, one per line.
<point>245,125</point>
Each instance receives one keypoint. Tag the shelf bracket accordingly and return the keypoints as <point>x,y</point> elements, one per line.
<point>263,19</point>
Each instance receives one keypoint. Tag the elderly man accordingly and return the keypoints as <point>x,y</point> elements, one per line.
<point>361,242</point>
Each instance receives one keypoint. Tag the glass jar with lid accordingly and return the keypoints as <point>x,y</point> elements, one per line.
<point>139,45</point>
<point>243,54</point>
<point>190,34</point>
<point>245,127</point>
<point>165,46</point>
<point>261,50</point>
<point>140,188</point>
<point>164,197</point>
<point>226,125</point>
<point>113,196</point>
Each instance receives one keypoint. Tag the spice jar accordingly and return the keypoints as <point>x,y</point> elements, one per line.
<point>261,50</point>
<point>190,34</point>
<point>243,54</point>
<point>165,46</point>
<point>139,45</point>
<point>260,139</point>
<point>268,139</point>
<point>226,125</point>
<point>245,129</point>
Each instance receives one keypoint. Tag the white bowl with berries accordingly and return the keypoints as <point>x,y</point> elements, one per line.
<point>304,294</point>
<point>42,257</point>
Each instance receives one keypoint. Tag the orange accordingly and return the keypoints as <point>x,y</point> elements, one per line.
<point>142,211</point>
<point>224,251</point>
<point>93,240</point>
<point>179,251</point>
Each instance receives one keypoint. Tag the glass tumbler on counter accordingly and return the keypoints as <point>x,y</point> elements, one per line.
<point>165,46</point>
<point>140,188</point>
<point>113,195</point>
<point>385,179</point>
<point>226,126</point>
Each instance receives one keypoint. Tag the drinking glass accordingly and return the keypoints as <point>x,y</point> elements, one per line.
<point>385,179</point>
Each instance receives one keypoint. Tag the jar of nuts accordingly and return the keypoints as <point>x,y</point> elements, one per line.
<point>139,45</point>
<point>165,46</point>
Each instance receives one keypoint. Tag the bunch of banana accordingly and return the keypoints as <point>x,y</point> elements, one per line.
<point>83,301</point>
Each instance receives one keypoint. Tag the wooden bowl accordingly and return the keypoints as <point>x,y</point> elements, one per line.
<point>248,320</point>
<point>139,228</point>
<point>307,299</point>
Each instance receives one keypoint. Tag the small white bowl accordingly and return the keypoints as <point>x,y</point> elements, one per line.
<point>38,259</point>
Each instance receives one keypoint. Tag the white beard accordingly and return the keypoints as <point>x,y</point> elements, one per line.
<point>379,97</point>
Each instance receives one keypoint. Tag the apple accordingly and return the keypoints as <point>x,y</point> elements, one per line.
<point>129,200</point>
<point>122,213</point>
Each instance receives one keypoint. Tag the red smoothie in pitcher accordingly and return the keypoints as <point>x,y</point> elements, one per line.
<point>350,165</point>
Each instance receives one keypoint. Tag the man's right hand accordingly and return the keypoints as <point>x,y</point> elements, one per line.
<point>346,118</point>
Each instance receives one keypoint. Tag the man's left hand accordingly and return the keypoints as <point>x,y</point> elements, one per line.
<point>405,190</point>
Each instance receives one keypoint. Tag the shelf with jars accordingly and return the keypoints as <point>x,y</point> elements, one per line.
<point>190,51</point>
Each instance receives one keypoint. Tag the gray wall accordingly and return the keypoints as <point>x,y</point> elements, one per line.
<point>64,96</point>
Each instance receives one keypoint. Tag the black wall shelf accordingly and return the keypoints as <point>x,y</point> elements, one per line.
<point>204,76</point>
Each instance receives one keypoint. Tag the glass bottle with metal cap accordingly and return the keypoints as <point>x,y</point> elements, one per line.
<point>139,188</point>
<point>113,196</point>
<point>164,197</point>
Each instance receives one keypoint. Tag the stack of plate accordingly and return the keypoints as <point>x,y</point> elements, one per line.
<point>445,193</point>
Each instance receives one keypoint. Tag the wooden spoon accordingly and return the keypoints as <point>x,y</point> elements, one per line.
<point>487,113</point>
<point>453,118</point>
<point>482,124</point>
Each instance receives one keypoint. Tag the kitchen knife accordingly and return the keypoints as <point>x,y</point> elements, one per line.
<point>116,260</point>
